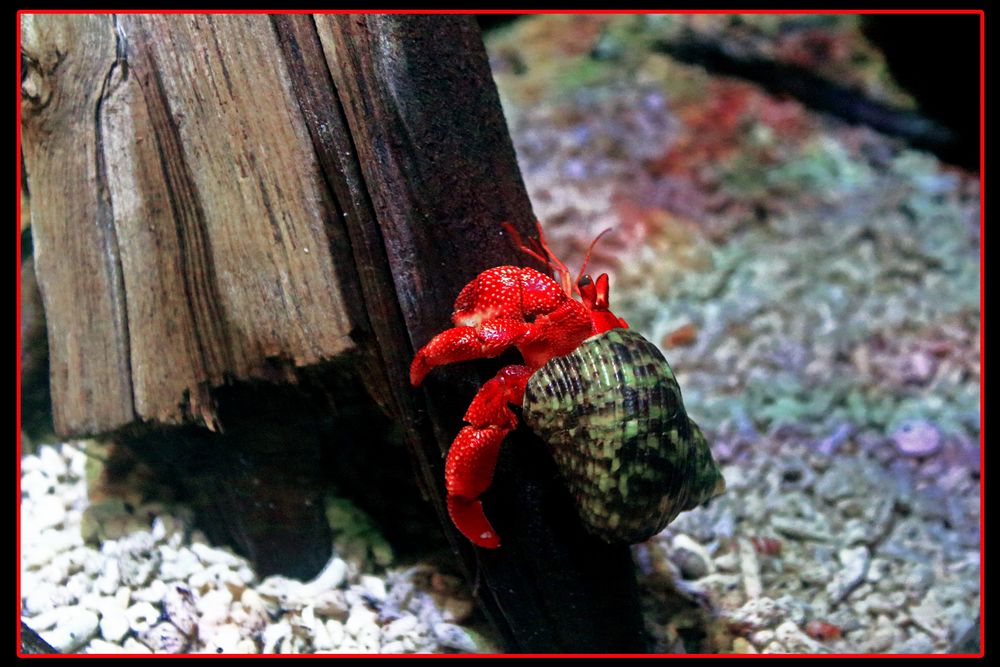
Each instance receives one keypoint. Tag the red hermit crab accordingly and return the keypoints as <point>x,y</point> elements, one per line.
<point>601,395</point>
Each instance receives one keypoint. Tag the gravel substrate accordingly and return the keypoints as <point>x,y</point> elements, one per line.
<point>161,588</point>
<point>815,287</point>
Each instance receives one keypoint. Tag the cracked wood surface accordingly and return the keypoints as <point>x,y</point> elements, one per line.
<point>179,218</point>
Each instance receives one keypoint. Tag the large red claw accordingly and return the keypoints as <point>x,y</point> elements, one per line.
<point>469,518</point>
<point>418,369</point>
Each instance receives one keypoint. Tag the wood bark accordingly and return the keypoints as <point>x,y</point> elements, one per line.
<point>225,198</point>
<point>179,218</point>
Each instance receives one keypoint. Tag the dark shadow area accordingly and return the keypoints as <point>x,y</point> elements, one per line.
<point>36,402</point>
<point>936,59</point>
<point>260,485</point>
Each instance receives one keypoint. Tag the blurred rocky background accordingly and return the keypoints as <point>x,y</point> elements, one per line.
<point>798,228</point>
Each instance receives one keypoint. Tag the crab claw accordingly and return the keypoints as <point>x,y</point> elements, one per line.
<point>470,519</point>
<point>468,472</point>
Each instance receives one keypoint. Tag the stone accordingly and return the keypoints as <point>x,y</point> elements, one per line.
<point>274,635</point>
<point>335,629</point>
<point>332,604</point>
<point>454,637</point>
<point>853,567</point>
<point>399,628</point>
<point>142,616</point>
<point>74,627</point>
<point>760,613</point>
<point>164,637</point>
<point>52,462</point>
<point>114,624</point>
<point>374,587</point>
<point>48,512</point>
<point>750,569</point>
<point>917,438</point>
<point>690,557</point>
<point>360,617</point>
<point>153,593</point>
<point>100,646</point>
<point>457,610</point>
<point>178,564</point>
<point>333,575</point>
<point>227,638</point>
<point>795,640</point>
<point>803,529</point>
<point>133,645</point>
<point>180,608</point>
<point>369,639</point>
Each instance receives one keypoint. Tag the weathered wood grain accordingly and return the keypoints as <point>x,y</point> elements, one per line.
<point>67,60</point>
<point>438,176</point>
<point>183,204</point>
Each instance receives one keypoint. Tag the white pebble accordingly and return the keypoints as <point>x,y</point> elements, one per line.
<point>36,485</point>
<point>215,556</point>
<point>178,564</point>
<point>109,579</point>
<point>282,593</point>
<point>52,461</point>
<point>133,645</point>
<point>76,459</point>
<point>45,620</point>
<point>454,637</point>
<point>142,616</point>
<point>335,629</point>
<point>917,438</point>
<point>123,596</point>
<point>214,608</point>
<point>152,593</point>
<point>48,512</point>
<point>374,586</point>
<point>114,624</point>
<point>36,553</point>
<point>44,597</point>
<point>75,627</point>
<point>226,639</point>
<point>321,638</point>
<point>796,641</point>
<point>164,638</point>
<point>399,628</point>
<point>332,576</point>
<point>393,647</point>
<point>274,634</point>
<point>457,610</point>
<point>101,646</point>
<point>361,616</point>
<point>332,603</point>
<point>368,638</point>
<point>180,609</point>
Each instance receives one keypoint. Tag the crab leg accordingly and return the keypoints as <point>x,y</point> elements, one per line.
<point>489,339</point>
<point>473,454</point>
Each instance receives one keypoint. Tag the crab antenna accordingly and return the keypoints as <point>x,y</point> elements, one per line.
<point>589,250</point>
<point>543,253</point>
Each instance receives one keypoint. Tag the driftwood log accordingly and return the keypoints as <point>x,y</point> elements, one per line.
<point>223,203</point>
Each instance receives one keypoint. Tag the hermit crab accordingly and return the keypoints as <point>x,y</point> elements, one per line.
<point>601,395</point>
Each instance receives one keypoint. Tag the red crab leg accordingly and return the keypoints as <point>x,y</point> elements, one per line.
<point>473,455</point>
<point>465,343</point>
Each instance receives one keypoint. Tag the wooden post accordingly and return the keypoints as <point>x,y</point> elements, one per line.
<point>219,199</point>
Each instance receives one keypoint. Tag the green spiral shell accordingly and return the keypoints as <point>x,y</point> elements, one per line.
<point>612,415</point>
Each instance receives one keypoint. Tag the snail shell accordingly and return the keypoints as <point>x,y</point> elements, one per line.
<point>612,415</point>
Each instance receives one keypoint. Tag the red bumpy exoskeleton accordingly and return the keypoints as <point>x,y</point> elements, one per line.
<point>503,307</point>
